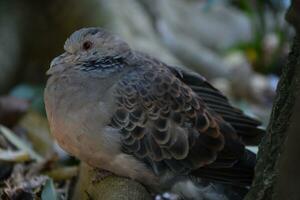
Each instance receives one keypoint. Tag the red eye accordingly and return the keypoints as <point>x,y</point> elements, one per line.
<point>87,45</point>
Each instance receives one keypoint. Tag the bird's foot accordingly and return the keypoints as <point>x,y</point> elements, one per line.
<point>101,174</point>
<point>167,196</point>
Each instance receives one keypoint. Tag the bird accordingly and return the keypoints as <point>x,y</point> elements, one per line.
<point>129,113</point>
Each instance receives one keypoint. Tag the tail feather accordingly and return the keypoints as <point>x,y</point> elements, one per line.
<point>239,174</point>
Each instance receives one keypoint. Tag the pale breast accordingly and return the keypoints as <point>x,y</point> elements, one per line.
<point>79,122</point>
<point>78,116</point>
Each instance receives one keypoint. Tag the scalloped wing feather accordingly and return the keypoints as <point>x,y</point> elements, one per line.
<point>165,123</point>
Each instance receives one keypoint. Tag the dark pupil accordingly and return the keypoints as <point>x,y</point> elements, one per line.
<point>87,45</point>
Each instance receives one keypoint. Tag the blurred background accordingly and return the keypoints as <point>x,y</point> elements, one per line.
<point>240,46</point>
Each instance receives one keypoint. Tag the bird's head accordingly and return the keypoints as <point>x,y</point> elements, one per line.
<point>91,50</point>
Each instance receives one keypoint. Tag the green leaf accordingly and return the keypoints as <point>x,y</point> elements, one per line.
<point>49,192</point>
<point>19,143</point>
<point>14,156</point>
<point>63,173</point>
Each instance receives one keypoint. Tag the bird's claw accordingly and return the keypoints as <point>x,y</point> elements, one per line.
<point>167,196</point>
<point>100,175</point>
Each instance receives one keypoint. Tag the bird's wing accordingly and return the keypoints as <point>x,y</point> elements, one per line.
<point>166,124</point>
<point>245,126</point>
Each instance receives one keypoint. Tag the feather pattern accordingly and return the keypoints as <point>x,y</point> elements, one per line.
<point>140,118</point>
<point>105,64</point>
<point>244,126</point>
<point>165,123</point>
<point>176,121</point>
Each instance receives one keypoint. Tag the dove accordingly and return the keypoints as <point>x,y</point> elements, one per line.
<point>126,112</point>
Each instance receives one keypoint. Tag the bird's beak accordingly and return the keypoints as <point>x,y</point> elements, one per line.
<point>57,63</point>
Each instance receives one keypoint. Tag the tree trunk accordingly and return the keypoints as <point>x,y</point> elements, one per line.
<point>277,166</point>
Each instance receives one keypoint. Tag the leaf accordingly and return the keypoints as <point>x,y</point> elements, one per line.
<point>63,173</point>
<point>20,144</point>
<point>21,187</point>
<point>49,192</point>
<point>14,156</point>
<point>38,133</point>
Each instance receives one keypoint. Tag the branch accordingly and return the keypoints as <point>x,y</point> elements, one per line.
<point>111,187</point>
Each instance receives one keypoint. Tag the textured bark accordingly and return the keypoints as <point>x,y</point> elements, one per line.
<point>274,177</point>
<point>289,175</point>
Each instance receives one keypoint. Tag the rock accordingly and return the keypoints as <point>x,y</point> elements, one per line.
<point>132,22</point>
<point>217,27</point>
